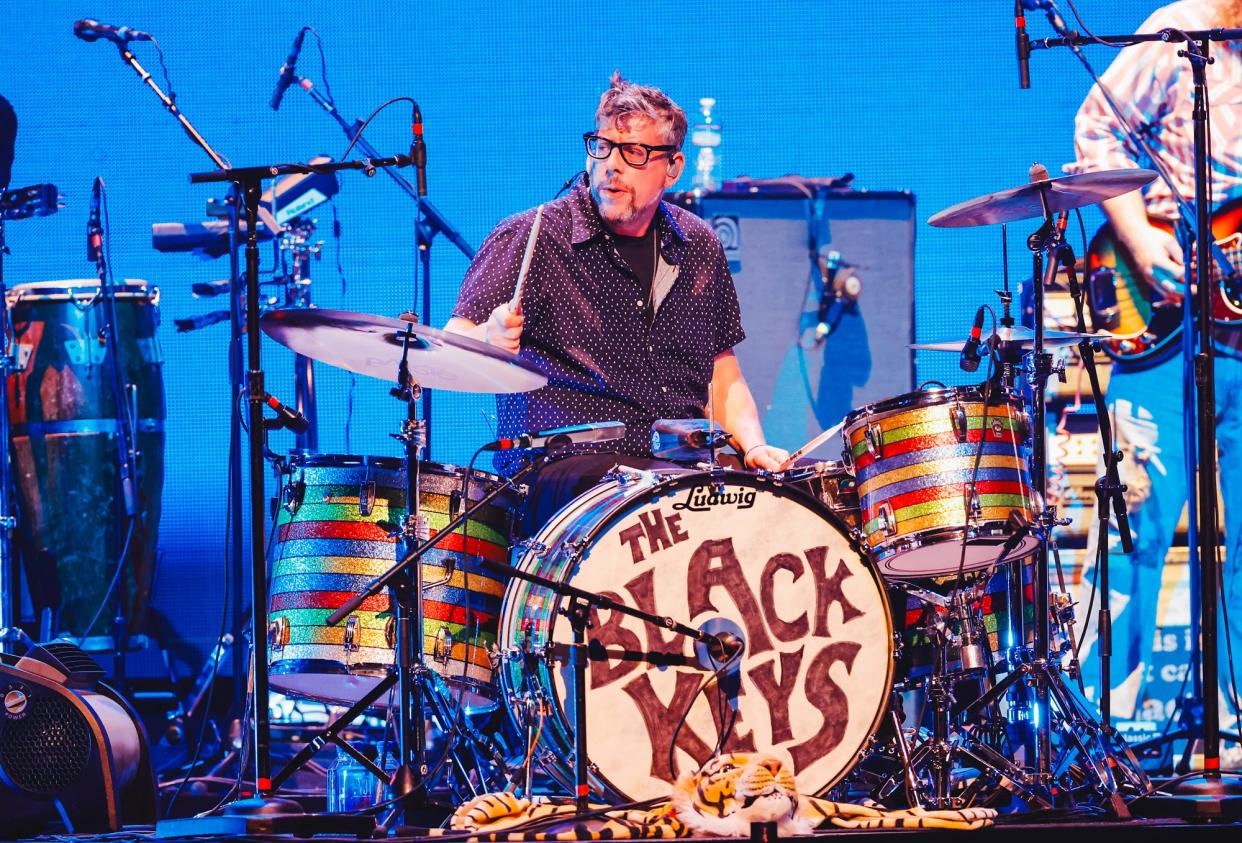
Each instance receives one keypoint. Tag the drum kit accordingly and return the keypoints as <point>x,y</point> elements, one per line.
<point>662,617</point>
<point>717,609</point>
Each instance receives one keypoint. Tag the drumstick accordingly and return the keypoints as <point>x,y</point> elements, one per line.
<point>516,303</point>
<point>812,445</point>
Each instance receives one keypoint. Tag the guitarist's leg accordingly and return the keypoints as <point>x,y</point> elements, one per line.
<point>1229,449</point>
<point>1147,414</point>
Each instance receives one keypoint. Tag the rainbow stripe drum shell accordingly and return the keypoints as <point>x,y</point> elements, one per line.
<point>913,458</point>
<point>335,533</point>
<point>720,551</point>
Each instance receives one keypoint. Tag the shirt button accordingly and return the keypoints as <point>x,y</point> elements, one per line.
<point>639,302</point>
<point>664,389</point>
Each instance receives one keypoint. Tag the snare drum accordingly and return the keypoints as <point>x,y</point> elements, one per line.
<point>728,551</point>
<point>832,484</point>
<point>914,457</point>
<point>335,534</point>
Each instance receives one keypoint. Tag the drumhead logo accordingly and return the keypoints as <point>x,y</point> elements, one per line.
<point>704,498</point>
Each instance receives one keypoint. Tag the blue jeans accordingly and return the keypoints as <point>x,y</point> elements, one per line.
<point>1149,420</point>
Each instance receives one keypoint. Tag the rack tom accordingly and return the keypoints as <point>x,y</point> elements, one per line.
<point>920,493</point>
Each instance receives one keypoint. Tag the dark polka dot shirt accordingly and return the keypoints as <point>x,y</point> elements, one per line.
<point>587,321</point>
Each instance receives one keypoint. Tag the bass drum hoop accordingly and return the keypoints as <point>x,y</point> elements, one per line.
<point>617,506</point>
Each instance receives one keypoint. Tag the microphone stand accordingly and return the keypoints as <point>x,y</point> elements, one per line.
<point>235,365</point>
<point>1210,795</point>
<point>429,221</point>
<point>126,437</point>
<point>249,182</point>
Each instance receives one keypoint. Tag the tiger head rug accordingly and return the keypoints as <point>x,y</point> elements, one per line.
<point>723,799</point>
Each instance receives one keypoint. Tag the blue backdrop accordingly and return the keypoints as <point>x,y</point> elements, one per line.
<point>917,95</point>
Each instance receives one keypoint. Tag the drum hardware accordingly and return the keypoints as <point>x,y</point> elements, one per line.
<point>20,203</point>
<point>1085,743</point>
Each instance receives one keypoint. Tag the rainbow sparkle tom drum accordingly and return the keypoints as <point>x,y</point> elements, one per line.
<point>335,533</point>
<point>913,458</point>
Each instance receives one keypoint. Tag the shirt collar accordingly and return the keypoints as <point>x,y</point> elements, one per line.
<point>586,224</point>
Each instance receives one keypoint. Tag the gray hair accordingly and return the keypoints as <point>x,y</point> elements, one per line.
<point>624,100</point>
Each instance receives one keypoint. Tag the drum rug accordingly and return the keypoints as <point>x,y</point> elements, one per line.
<point>722,799</point>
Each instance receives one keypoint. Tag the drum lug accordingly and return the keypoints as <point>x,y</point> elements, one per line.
<point>278,633</point>
<point>974,504</point>
<point>957,414</point>
<point>1021,425</point>
<point>534,548</point>
<point>350,642</point>
<point>294,491</point>
<point>443,648</point>
<point>888,521</point>
<point>366,498</point>
<point>874,435</point>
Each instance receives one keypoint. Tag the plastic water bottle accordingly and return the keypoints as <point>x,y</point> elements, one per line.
<point>706,140</point>
<point>350,786</point>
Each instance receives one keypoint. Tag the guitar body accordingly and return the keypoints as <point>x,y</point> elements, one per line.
<point>1145,318</point>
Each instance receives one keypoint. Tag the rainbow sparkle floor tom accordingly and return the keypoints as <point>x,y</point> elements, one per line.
<point>914,457</point>
<point>335,533</point>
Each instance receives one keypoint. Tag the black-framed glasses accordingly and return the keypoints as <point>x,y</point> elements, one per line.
<point>633,153</point>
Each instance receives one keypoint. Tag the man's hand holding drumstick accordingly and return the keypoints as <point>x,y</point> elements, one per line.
<point>503,329</point>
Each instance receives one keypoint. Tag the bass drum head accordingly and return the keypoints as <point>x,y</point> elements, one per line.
<point>743,554</point>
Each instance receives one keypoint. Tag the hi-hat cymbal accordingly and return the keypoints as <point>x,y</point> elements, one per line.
<point>1061,194</point>
<point>371,345</point>
<point>1016,335</point>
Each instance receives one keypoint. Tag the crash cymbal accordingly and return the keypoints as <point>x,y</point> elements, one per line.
<point>1062,194</point>
<point>371,345</point>
<point>1017,335</point>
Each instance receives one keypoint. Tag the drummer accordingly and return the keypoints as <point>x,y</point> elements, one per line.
<point>625,294</point>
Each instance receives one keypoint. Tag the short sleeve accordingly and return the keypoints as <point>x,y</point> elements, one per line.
<point>492,276</point>
<point>729,331</point>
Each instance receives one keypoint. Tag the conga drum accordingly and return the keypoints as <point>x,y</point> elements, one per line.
<point>72,528</point>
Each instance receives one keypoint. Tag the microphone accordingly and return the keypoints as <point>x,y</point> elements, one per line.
<point>969,361</point>
<point>94,226</point>
<point>288,417</point>
<point>286,71</point>
<point>559,437</point>
<point>684,438</point>
<point>1023,45</point>
<point>418,151</point>
<point>93,30</point>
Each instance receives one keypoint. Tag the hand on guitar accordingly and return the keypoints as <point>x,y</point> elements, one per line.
<point>1158,258</point>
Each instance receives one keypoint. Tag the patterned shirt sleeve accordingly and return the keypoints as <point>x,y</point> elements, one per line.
<point>492,276</point>
<point>729,331</point>
<point>1139,79</point>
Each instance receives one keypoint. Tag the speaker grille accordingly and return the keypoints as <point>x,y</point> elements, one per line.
<point>46,750</point>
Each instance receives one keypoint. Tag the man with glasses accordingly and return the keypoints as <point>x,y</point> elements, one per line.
<point>625,294</point>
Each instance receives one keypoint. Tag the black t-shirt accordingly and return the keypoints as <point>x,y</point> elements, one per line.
<point>640,256</point>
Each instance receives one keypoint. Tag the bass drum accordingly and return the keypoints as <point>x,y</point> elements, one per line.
<point>729,551</point>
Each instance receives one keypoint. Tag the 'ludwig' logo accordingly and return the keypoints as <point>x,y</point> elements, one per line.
<point>703,498</point>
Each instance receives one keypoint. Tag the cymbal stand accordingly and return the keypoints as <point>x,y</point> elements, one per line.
<point>1101,761</point>
<point>927,771</point>
<point>297,290</point>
